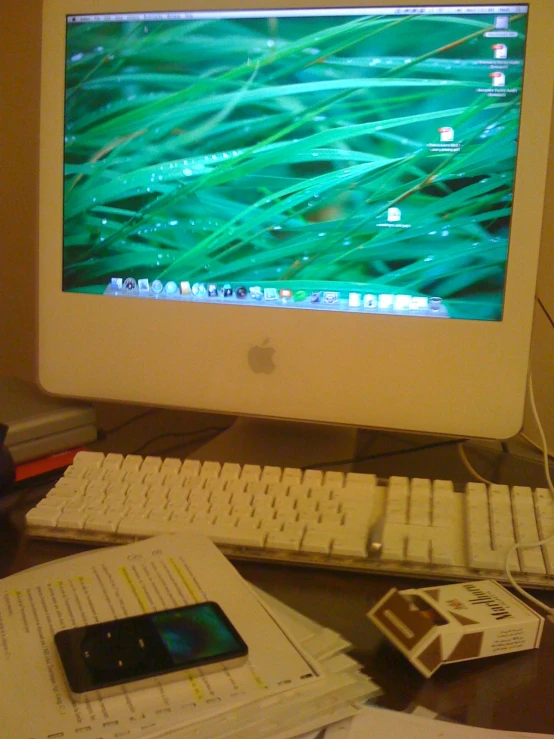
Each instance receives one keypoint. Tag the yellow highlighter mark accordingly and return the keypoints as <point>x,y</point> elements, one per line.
<point>135,588</point>
<point>185,580</point>
<point>196,689</point>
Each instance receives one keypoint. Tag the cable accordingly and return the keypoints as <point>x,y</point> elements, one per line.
<point>129,421</point>
<point>523,435</point>
<point>382,455</point>
<point>534,443</point>
<point>548,539</point>
<point>546,313</point>
<point>542,435</point>
<point>181,435</point>
<point>469,467</point>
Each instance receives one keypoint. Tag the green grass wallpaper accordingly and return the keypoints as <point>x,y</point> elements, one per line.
<point>271,151</point>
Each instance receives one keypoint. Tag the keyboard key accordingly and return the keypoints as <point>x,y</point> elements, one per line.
<point>418,548</point>
<point>171,466</point>
<point>250,473</point>
<point>108,522</point>
<point>348,545</point>
<point>532,560</point>
<point>113,461</point>
<point>88,459</point>
<point>282,540</point>
<point>317,542</point>
<point>394,541</point>
<point>210,469</point>
<point>271,474</point>
<point>442,547</point>
<point>72,520</point>
<point>43,517</point>
<point>235,536</point>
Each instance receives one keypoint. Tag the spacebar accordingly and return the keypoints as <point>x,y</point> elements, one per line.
<point>144,527</point>
<point>230,535</point>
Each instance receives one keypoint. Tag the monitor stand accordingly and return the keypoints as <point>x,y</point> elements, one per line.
<point>280,443</point>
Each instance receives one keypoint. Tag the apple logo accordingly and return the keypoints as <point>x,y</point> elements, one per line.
<point>260,358</point>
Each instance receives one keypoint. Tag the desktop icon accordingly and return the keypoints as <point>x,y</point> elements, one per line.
<point>316,296</point>
<point>385,301</point>
<point>185,288</point>
<point>198,289</point>
<point>143,286</point>
<point>435,303</point>
<point>171,288</point>
<point>285,294</point>
<point>393,214</point>
<point>116,283</point>
<point>370,301</point>
<point>446,134</point>
<point>299,296</point>
<point>227,291</point>
<point>354,300</point>
<point>498,79</point>
<point>500,51</point>
<point>212,290</point>
<point>130,284</point>
<point>331,297</point>
<point>241,292</point>
<point>402,302</point>
<point>418,302</point>
<point>157,287</point>
<point>256,292</point>
<point>270,293</point>
<point>502,22</point>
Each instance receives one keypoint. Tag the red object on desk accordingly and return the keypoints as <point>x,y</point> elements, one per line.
<point>45,464</point>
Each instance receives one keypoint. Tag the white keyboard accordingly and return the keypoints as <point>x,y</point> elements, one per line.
<point>414,528</point>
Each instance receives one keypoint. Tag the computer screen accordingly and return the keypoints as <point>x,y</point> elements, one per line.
<point>323,214</point>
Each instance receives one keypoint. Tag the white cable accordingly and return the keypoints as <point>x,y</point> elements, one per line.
<point>542,434</point>
<point>469,467</point>
<point>539,543</point>
<point>530,441</point>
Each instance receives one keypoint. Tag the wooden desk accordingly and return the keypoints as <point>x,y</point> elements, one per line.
<point>512,692</point>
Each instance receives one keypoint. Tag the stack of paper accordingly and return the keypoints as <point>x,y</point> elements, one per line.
<point>297,677</point>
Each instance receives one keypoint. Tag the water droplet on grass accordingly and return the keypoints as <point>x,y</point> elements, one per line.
<point>187,172</point>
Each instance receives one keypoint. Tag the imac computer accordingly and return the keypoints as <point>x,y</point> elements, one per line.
<point>305,211</point>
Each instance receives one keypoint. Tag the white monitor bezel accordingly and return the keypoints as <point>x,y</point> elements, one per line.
<point>443,376</point>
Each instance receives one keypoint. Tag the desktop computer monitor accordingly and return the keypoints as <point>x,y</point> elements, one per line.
<point>289,211</point>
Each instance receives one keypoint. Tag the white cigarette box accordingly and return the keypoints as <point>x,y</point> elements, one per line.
<point>452,623</point>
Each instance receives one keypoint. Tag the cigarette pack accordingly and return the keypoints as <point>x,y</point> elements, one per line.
<point>451,623</point>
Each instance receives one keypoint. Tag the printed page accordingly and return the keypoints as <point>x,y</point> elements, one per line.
<point>124,581</point>
<point>379,723</point>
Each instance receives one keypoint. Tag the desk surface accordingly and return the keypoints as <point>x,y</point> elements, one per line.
<point>512,692</point>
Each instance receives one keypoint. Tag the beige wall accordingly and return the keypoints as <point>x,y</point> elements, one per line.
<point>19,118</point>
<point>19,114</point>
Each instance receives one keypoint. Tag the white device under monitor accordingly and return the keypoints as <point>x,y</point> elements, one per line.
<point>328,215</point>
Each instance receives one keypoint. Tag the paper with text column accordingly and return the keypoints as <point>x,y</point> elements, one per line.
<point>113,583</point>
